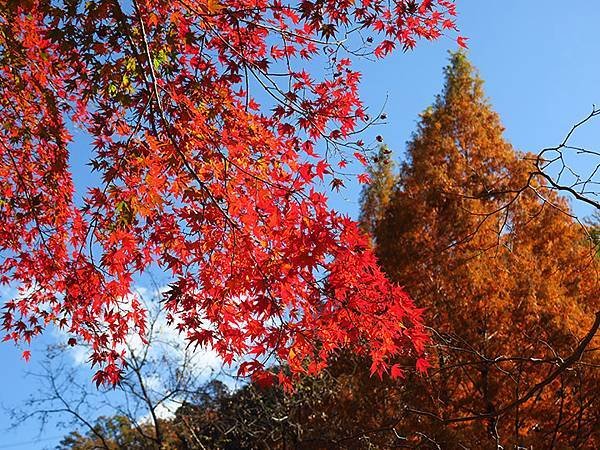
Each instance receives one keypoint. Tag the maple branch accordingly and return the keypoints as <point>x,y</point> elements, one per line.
<point>568,189</point>
<point>563,366</point>
<point>167,124</point>
<point>542,164</point>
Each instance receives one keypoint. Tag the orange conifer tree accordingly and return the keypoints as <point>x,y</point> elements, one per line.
<point>509,280</point>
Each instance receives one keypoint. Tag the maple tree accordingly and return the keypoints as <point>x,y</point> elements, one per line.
<point>195,176</point>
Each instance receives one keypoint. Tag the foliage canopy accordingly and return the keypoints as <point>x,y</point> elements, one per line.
<point>195,176</point>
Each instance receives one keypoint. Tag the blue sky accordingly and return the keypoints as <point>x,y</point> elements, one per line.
<point>541,69</point>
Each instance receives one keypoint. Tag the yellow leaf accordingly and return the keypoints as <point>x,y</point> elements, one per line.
<point>213,6</point>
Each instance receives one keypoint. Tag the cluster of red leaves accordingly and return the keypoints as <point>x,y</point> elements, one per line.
<point>196,178</point>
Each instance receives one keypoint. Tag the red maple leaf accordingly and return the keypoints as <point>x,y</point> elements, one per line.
<point>193,176</point>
